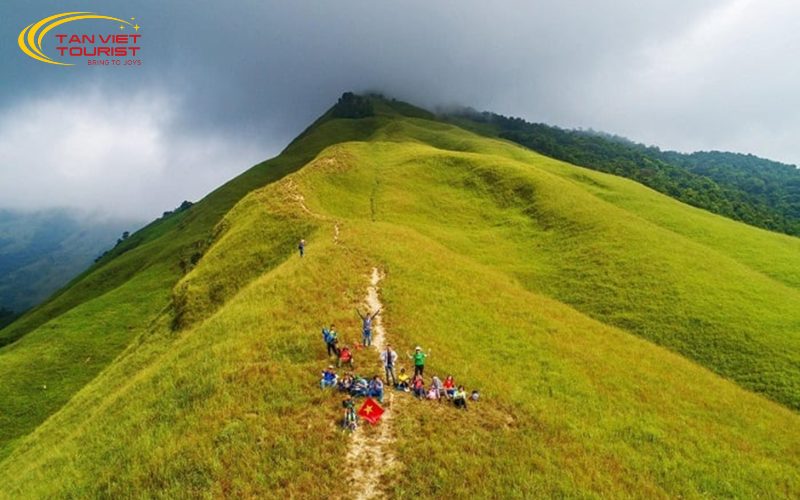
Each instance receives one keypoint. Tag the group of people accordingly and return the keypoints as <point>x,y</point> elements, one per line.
<point>343,354</point>
<point>354,385</point>
<point>438,390</point>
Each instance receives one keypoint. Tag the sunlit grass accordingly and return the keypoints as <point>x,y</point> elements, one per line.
<point>538,283</point>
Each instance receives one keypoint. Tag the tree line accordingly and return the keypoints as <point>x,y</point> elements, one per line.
<point>743,187</point>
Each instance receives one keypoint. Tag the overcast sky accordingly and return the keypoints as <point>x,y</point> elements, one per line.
<point>227,84</point>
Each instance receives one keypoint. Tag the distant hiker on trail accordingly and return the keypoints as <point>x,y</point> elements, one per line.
<point>389,358</point>
<point>366,326</point>
<point>345,357</point>
<point>419,360</point>
<point>449,386</point>
<point>331,339</point>
<point>460,398</point>
<point>403,381</point>
<point>302,247</point>
<point>329,378</point>
<point>350,420</point>
<point>376,389</point>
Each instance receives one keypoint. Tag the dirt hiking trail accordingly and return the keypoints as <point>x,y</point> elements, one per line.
<point>370,453</point>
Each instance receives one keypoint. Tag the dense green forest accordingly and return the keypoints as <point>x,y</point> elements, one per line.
<point>747,188</point>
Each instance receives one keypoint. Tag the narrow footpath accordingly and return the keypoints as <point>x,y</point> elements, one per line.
<point>370,452</point>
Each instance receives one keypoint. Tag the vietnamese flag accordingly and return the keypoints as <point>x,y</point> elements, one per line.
<point>370,411</point>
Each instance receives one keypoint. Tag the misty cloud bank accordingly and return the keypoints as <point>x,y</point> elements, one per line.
<point>225,86</point>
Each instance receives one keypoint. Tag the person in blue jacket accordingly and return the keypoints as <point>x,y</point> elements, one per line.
<point>329,378</point>
<point>376,389</point>
<point>331,339</point>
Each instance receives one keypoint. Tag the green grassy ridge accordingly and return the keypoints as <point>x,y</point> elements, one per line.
<point>591,410</point>
<point>95,281</point>
<point>772,253</point>
<point>177,237</point>
<point>218,411</point>
<point>461,229</point>
<point>42,370</point>
<point>265,239</point>
<point>571,407</point>
<point>136,277</point>
<point>755,190</point>
<point>564,241</point>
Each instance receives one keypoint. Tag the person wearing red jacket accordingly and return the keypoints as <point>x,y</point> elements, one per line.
<point>345,357</point>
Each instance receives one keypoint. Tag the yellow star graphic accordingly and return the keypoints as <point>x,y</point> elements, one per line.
<point>368,409</point>
<point>137,27</point>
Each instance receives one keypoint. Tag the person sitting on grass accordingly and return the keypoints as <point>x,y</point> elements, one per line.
<point>359,387</point>
<point>346,382</point>
<point>418,386</point>
<point>345,357</point>
<point>460,398</point>
<point>475,395</point>
<point>403,381</point>
<point>449,387</point>
<point>436,383</point>
<point>376,389</point>
<point>329,378</point>
<point>432,394</point>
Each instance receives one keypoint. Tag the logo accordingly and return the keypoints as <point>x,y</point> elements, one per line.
<point>93,48</point>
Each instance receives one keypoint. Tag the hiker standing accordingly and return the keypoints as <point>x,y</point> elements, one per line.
<point>366,326</point>
<point>389,358</point>
<point>419,360</point>
<point>302,247</point>
<point>331,339</point>
<point>350,419</point>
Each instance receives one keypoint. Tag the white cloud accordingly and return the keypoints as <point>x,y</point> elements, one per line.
<point>725,81</point>
<point>111,154</point>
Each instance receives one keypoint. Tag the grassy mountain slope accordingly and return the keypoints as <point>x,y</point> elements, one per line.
<point>747,188</point>
<point>531,279</point>
<point>58,347</point>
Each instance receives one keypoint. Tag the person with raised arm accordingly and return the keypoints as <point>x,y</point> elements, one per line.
<point>366,326</point>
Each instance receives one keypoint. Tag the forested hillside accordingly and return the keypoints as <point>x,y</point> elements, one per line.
<point>747,188</point>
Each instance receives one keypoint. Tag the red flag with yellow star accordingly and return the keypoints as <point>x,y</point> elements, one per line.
<point>370,411</point>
